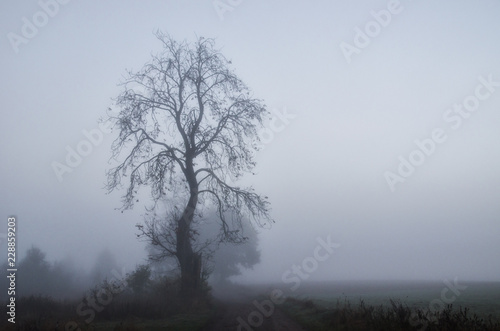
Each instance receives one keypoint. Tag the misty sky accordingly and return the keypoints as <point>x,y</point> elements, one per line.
<point>352,115</point>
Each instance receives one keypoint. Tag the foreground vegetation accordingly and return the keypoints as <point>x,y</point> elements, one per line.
<point>139,303</point>
<point>147,304</point>
<point>43,313</point>
<point>397,316</point>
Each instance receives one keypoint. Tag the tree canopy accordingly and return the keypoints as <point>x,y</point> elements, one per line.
<point>188,130</point>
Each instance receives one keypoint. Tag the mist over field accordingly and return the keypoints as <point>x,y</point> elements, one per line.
<point>379,155</point>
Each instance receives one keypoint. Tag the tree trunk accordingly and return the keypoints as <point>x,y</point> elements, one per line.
<point>190,273</point>
<point>190,262</point>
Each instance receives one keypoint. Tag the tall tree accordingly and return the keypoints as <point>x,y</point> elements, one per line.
<point>188,129</point>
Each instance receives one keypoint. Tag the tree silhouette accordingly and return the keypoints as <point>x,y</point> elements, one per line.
<point>229,259</point>
<point>188,129</point>
<point>104,264</point>
<point>34,273</point>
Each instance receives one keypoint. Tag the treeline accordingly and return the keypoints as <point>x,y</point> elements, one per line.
<point>51,300</point>
<point>60,279</point>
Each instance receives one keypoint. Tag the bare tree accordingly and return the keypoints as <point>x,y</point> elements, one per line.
<point>188,129</point>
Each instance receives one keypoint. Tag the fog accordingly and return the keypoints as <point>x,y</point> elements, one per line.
<point>383,145</point>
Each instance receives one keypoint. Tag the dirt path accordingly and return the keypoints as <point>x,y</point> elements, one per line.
<point>246,317</point>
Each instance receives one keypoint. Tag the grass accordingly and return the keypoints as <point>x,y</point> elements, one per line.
<point>195,318</point>
<point>397,316</point>
<point>178,322</point>
<point>181,322</point>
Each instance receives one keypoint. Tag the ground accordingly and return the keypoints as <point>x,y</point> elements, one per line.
<point>234,316</point>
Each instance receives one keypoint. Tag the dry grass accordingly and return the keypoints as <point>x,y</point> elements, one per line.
<point>397,316</point>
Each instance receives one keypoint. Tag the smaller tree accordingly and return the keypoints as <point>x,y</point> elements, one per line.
<point>140,279</point>
<point>230,259</point>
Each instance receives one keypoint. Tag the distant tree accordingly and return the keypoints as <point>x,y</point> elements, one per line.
<point>35,260</point>
<point>103,266</point>
<point>34,273</point>
<point>65,279</point>
<point>37,276</point>
<point>188,128</point>
<point>229,259</point>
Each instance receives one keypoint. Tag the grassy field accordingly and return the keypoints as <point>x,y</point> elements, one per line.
<point>482,298</point>
<point>396,316</point>
<point>403,305</point>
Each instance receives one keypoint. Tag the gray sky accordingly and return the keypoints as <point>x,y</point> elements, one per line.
<point>353,114</point>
